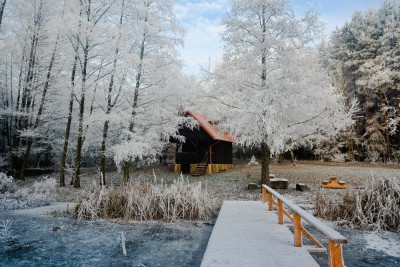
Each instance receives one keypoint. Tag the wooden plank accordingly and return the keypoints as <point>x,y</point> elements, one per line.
<point>246,234</point>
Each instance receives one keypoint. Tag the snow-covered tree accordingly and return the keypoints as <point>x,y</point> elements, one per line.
<point>271,85</point>
<point>152,118</point>
<point>367,48</point>
<point>90,39</point>
<point>104,75</point>
<point>29,53</point>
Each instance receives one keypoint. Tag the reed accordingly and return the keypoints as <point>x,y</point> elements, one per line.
<point>375,206</point>
<point>142,201</point>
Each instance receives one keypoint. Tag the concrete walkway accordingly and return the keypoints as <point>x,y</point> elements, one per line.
<point>246,234</point>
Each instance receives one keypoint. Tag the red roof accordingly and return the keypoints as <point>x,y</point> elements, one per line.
<point>211,129</point>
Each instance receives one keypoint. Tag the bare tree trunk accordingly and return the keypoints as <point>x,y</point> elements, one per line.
<point>110,104</point>
<point>39,113</point>
<point>358,126</point>
<point>126,172</point>
<point>280,157</point>
<point>398,125</point>
<point>22,121</point>
<point>264,145</point>
<point>398,136</point>
<point>69,121</point>
<point>78,156</point>
<point>350,142</point>
<point>2,6</point>
<point>386,127</point>
<point>135,102</point>
<point>16,137</point>
<point>77,182</point>
<point>10,124</point>
<point>103,154</point>
<point>5,101</point>
<point>265,163</point>
<point>292,157</point>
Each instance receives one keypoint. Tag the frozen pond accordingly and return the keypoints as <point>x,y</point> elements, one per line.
<point>46,241</point>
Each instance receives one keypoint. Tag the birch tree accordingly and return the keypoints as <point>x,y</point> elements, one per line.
<point>92,13</point>
<point>115,85</point>
<point>151,119</point>
<point>33,84</point>
<point>104,75</point>
<point>32,68</point>
<point>73,24</point>
<point>270,83</point>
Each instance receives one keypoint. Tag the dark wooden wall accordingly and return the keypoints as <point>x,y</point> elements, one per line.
<point>198,144</point>
<point>222,153</point>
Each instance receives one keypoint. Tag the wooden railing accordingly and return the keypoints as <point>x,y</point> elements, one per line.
<point>335,239</point>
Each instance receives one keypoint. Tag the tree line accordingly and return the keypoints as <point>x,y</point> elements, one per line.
<point>363,59</point>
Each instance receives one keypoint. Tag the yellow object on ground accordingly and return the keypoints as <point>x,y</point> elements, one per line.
<point>334,184</point>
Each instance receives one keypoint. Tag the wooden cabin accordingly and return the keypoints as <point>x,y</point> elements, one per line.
<point>206,149</point>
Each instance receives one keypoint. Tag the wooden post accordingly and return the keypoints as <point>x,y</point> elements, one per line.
<point>210,154</point>
<point>280,211</point>
<point>264,194</point>
<point>335,254</point>
<point>270,201</point>
<point>298,238</point>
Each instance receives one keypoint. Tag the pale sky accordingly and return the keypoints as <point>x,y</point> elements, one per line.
<point>201,19</point>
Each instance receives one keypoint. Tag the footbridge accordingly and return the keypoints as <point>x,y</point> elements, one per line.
<point>254,233</point>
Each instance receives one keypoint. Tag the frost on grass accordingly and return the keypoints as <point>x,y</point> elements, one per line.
<point>5,229</point>
<point>143,201</point>
<point>376,206</point>
<point>6,183</point>
<point>41,193</point>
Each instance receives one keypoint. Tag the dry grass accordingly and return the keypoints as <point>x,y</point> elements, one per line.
<point>142,201</point>
<point>374,207</point>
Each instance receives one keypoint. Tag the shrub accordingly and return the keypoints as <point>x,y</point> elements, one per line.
<point>142,201</point>
<point>5,229</point>
<point>41,193</point>
<point>6,183</point>
<point>374,207</point>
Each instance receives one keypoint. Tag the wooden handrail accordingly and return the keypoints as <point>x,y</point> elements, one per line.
<point>334,237</point>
